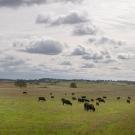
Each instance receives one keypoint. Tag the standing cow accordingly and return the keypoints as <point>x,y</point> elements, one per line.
<point>89,107</point>
<point>41,99</point>
<point>65,101</point>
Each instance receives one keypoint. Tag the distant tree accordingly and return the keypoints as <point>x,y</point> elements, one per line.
<point>73,85</point>
<point>21,84</point>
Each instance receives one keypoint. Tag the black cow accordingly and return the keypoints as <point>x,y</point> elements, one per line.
<point>86,100</point>
<point>89,107</point>
<point>51,93</point>
<point>41,99</point>
<point>92,100</point>
<point>104,97</point>
<point>129,98</point>
<point>118,98</point>
<point>65,101</point>
<point>73,93</point>
<point>100,100</point>
<point>74,98</point>
<point>81,100</point>
<point>52,96</point>
<point>97,103</point>
<point>24,92</point>
<point>128,101</point>
<point>83,96</point>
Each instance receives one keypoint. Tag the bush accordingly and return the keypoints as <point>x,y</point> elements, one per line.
<point>73,85</point>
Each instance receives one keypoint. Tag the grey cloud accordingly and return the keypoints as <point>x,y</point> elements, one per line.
<point>10,63</point>
<point>97,56</point>
<point>42,19</point>
<point>105,40</point>
<point>91,65</point>
<point>94,56</point>
<point>79,51</point>
<point>85,30</point>
<point>123,56</point>
<point>44,46</point>
<point>71,18</point>
<point>115,68</point>
<point>66,63</point>
<point>17,3</point>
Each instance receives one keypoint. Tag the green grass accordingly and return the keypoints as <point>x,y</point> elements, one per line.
<point>21,116</point>
<point>24,115</point>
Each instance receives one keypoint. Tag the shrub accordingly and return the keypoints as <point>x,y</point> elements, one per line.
<point>73,85</point>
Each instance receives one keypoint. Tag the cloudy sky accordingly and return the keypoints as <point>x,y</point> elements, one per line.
<point>87,39</point>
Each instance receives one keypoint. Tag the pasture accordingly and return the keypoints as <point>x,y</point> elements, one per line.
<point>23,114</point>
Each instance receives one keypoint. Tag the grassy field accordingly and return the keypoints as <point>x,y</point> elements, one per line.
<point>24,115</point>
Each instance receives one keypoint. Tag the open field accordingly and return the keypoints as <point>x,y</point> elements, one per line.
<point>24,115</point>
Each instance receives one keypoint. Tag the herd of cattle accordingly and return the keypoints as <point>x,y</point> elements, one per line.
<point>88,103</point>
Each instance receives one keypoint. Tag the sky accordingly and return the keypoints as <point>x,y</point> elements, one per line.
<point>71,39</point>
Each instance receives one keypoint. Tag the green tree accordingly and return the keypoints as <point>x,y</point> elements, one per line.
<point>21,84</point>
<point>73,85</point>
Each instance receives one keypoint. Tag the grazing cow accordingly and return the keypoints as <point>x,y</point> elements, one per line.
<point>86,100</point>
<point>51,93</point>
<point>101,100</point>
<point>73,93</point>
<point>74,98</point>
<point>41,99</point>
<point>24,92</point>
<point>92,100</point>
<point>83,96</point>
<point>129,98</point>
<point>104,97</point>
<point>128,101</point>
<point>97,103</point>
<point>89,107</point>
<point>65,101</point>
<point>118,98</point>
<point>52,96</point>
<point>80,100</point>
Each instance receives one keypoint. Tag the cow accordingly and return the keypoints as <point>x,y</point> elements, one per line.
<point>24,92</point>
<point>73,93</point>
<point>51,93</point>
<point>128,101</point>
<point>118,98</point>
<point>104,97</point>
<point>97,103</point>
<point>74,98</point>
<point>41,99</point>
<point>83,96</point>
<point>100,100</point>
<point>86,100</point>
<point>52,96</point>
<point>89,107</point>
<point>129,98</point>
<point>81,100</point>
<point>65,101</point>
<point>92,100</point>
